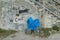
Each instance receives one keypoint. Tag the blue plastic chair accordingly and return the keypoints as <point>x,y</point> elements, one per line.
<point>33,24</point>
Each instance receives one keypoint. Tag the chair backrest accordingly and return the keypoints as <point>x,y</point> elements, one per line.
<point>32,24</point>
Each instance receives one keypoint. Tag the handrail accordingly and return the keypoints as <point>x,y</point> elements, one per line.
<point>47,9</point>
<point>52,6</point>
<point>53,13</point>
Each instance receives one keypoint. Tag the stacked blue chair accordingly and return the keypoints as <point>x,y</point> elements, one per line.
<point>33,24</point>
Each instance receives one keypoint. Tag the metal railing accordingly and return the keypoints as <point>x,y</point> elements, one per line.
<point>56,12</point>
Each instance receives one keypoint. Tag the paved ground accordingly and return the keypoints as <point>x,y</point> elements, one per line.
<point>23,36</point>
<point>54,37</point>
